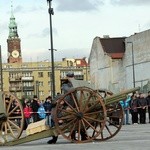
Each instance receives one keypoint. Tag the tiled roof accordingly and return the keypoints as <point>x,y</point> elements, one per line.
<point>114,47</point>
<point>81,62</point>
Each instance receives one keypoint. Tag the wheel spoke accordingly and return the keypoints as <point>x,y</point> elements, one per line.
<point>17,127</point>
<point>13,110</point>
<point>92,113</point>
<point>79,129</point>
<point>108,130</point>
<point>68,124</point>
<point>91,125</point>
<point>66,111</point>
<point>70,106</point>
<point>8,107</point>
<point>15,117</point>
<point>73,129</point>
<point>82,121</point>
<point>92,107</point>
<point>112,123</point>
<point>96,120</point>
<point>66,117</point>
<point>10,129</point>
<point>80,101</point>
<point>75,101</point>
<point>87,102</point>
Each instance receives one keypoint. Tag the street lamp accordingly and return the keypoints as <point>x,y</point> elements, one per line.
<point>51,12</point>
<point>37,88</point>
<point>1,71</point>
<point>133,64</point>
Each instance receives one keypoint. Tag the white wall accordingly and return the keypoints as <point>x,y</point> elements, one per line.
<point>141,49</point>
<point>117,75</point>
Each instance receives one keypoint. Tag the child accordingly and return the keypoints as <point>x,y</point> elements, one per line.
<point>27,113</point>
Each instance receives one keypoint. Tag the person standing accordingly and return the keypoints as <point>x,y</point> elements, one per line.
<point>148,105</point>
<point>48,106</point>
<point>35,107</point>
<point>133,109</point>
<point>27,113</point>
<point>41,111</point>
<point>142,104</point>
<point>125,105</point>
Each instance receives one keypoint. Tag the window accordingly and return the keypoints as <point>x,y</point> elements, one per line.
<point>40,74</point>
<point>49,83</point>
<point>29,93</point>
<point>27,84</point>
<point>26,74</point>
<point>41,93</point>
<point>49,74</point>
<point>40,83</point>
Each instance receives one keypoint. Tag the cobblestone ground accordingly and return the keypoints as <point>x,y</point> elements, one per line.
<point>129,138</point>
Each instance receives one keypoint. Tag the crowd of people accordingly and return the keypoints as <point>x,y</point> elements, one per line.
<point>138,105</point>
<point>36,110</point>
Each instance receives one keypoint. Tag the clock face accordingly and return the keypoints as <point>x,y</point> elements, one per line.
<point>15,53</point>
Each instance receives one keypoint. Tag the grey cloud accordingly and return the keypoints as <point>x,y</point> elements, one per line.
<point>21,9</point>
<point>4,27</point>
<point>130,2</point>
<point>45,32</point>
<point>78,5</point>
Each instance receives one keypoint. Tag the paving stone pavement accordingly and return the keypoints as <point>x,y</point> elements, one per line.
<point>130,137</point>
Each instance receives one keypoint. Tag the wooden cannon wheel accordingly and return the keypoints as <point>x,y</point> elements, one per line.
<point>76,120</point>
<point>114,119</point>
<point>12,127</point>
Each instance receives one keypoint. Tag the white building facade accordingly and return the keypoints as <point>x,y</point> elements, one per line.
<point>113,65</point>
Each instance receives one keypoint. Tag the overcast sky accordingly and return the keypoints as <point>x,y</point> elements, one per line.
<point>75,24</point>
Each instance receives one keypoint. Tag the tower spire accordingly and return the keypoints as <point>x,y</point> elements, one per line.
<point>12,25</point>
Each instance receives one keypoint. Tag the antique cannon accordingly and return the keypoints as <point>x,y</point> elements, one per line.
<point>98,115</point>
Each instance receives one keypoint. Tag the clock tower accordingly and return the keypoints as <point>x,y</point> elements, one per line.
<point>13,42</point>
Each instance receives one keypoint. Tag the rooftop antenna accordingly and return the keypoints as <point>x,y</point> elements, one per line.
<point>11,6</point>
<point>139,28</point>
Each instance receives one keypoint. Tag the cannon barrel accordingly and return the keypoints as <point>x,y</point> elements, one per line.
<point>119,96</point>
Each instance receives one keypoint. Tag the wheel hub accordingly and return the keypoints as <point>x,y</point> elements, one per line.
<point>79,115</point>
<point>3,117</point>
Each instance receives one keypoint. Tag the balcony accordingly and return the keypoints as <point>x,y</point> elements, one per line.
<point>14,79</point>
<point>28,88</point>
<point>15,88</point>
<point>31,78</point>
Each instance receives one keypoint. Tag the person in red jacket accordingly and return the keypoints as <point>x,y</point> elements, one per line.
<point>27,113</point>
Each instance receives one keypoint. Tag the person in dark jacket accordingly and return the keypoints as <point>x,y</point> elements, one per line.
<point>148,105</point>
<point>133,108</point>
<point>35,106</point>
<point>49,106</point>
<point>142,104</point>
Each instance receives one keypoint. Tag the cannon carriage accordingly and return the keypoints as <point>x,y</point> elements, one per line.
<point>96,113</point>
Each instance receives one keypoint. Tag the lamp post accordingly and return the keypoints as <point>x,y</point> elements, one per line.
<point>133,70</point>
<point>51,12</point>
<point>1,71</point>
<point>37,88</point>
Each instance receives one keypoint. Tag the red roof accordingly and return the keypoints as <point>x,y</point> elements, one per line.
<point>82,62</point>
<point>114,47</point>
